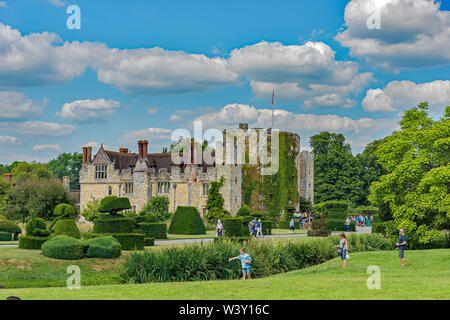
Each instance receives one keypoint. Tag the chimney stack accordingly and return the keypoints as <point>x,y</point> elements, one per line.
<point>123,150</point>
<point>192,152</point>
<point>87,154</point>
<point>143,148</point>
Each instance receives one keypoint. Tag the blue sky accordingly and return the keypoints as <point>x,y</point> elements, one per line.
<point>141,69</point>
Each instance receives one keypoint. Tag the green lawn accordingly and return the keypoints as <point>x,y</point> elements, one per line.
<point>9,242</point>
<point>426,276</point>
<point>212,234</point>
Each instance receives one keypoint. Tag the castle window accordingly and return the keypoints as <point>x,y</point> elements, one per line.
<point>109,190</point>
<point>163,187</point>
<point>235,180</point>
<point>205,189</point>
<point>129,187</point>
<point>101,171</point>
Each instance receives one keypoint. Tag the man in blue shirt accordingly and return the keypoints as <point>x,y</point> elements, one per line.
<point>245,261</point>
<point>401,244</point>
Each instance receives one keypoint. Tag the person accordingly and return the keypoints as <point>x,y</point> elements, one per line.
<point>347,224</point>
<point>219,228</point>
<point>401,244</point>
<point>343,249</point>
<point>292,225</point>
<point>251,227</point>
<point>368,222</point>
<point>245,261</point>
<point>259,228</point>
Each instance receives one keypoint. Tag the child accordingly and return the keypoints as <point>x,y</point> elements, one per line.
<point>245,261</point>
<point>259,228</point>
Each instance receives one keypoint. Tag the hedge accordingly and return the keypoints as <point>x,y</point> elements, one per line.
<point>66,227</point>
<point>154,230</point>
<point>339,225</point>
<point>31,242</point>
<point>210,261</point>
<point>149,242</point>
<point>63,247</point>
<point>128,241</point>
<point>232,227</point>
<point>9,226</point>
<point>113,225</point>
<point>187,220</point>
<point>284,224</point>
<point>113,204</point>
<point>6,236</point>
<point>102,247</point>
<point>266,227</point>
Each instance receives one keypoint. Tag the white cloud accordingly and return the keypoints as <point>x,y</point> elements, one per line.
<point>413,33</point>
<point>57,3</point>
<point>8,140</point>
<point>3,4</point>
<point>47,147</point>
<point>132,137</point>
<point>401,95</point>
<point>41,58</point>
<point>89,110</point>
<point>152,110</point>
<point>38,128</point>
<point>157,70</point>
<point>15,105</point>
<point>308,71</point>
<point>180,115</point>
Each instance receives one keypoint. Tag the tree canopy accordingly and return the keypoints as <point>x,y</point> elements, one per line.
<point>67,164</point>
<point>416,189</point>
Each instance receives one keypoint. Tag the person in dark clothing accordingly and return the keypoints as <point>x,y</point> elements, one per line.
<point>401,244</point>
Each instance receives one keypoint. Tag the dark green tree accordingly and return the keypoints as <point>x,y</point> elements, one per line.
<point>67,164</point>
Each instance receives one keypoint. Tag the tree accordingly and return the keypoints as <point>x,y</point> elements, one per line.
<point>215,199</point>
<point>157,209</point>
<point>416,189</point>
<point>369,170</point>
<point>41,196</point>
<point>336,171</point>
<point>24,171</point>
<point>67,164</point>
<point>5,187</point>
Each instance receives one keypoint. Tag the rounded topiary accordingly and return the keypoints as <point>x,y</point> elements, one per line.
<point>113,204</point>
<point>117,225</point>
<point>66,227</point>
<point>5,236</point>
<point>187,220</point>
<point>9,226</point>
<point>103,247</point>
<point>65,210</point>
<point>63,247</point>
<point>36,227</point>
<point>244,211</point>
<point>154,230</point>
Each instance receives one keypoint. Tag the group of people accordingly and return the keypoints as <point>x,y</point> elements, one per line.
<point>254,226</point>
<point>360,221</point>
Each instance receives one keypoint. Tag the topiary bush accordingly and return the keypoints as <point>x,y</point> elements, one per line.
<point>244,211</point>
<point>257,214</point>
<point>65,210</point>
<point>187,220</point>
<point>113,204</point>
<point>36,227</point>
<point>232,227</point>
<point>108,224</point>
<point>319,226</point>
<point>266,227</point>
<point>63,247</point>
<point>154,230</point>
<point>31,243</point>
<point>284,224</point>
<point>128,241</point>
<point>6,236</point>
<point>66,227</point>
<point>102,247</point>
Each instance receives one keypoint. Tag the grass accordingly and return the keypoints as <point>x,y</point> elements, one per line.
<point>212,234</point>
<point>9,242</point>
<point>426,276</point>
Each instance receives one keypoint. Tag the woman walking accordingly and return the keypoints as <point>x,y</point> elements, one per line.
<point>343,249</point>
<point>219,229</point>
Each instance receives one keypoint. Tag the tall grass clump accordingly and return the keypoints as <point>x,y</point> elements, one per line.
<point>210,261</point>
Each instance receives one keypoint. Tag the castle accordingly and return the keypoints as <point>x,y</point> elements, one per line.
<point>141,176</point>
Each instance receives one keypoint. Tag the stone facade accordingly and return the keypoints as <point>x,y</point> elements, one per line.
<point>306,176</point>
<point>141,176</point>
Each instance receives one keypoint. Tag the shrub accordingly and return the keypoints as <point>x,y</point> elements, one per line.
<point>36,227</point>
<point>109,224</point>
<point>157,208</point>
<point>154,230</point>
<point>289,212</point>
<point>266,227</point>
<point>257,214</point>
<point>187,220</point>
<point>319,226</point>
<point>232,227</point>
<point>149,242</point>
<point>32,243</point>
<point>128,241</point>
<point>243,211</point>
<point>63,247</point>
<point>217,213</point>
<point>65,210</point>
<point>66,227</point>
<point>210,261</point>
<point>113,204</point>
<point>102,247</point>
<point>339,225</point>
<point>9,226</point>
<point>234,239</point>
<point>284,224</point>
<point>6,236</point>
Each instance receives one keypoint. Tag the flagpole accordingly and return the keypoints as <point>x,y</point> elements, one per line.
<point>273,116</point>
